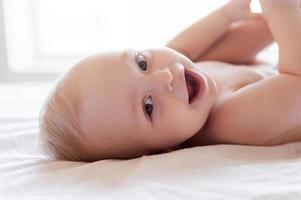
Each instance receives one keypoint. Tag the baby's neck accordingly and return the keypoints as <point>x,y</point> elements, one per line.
<point>224,77</point>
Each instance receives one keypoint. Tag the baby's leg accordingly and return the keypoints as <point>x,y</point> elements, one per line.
<point>241,43</point>
<point>284,19</point>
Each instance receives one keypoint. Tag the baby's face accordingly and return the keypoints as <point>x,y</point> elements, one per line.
<point>132,103</point>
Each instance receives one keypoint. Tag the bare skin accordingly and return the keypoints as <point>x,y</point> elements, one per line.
<point>244,103</point>
<point>265,113</point>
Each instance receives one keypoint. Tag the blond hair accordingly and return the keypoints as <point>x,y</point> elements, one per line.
<point>60,135</point>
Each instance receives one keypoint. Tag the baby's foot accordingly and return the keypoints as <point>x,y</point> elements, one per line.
<point>268,3</point>
<point>277,6</point>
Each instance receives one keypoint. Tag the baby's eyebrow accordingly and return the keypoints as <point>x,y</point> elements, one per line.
<point>129,57</point>
<point>135,103</point>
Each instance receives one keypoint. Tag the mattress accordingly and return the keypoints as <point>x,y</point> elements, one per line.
<point>207,172</point>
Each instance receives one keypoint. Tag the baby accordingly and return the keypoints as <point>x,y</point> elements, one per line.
<point>205,87</point>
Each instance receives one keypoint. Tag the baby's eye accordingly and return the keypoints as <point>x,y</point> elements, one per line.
<point>148,107</point>
<point>141,61</point>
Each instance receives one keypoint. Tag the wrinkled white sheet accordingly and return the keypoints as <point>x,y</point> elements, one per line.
<point>209,172</point>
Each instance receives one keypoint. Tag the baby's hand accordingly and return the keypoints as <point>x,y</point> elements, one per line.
<point>236,10</point>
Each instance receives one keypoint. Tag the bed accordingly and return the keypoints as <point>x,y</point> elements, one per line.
<point>208,172</point>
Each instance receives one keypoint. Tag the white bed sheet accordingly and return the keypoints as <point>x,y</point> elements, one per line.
<point>209,172</point>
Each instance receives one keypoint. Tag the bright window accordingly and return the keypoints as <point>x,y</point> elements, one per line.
<point>52,35</point>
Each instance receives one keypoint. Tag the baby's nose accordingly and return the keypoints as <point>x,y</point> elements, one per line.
<point>163,78</point>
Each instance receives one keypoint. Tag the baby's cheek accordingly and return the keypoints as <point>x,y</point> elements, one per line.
<point>185,126</point>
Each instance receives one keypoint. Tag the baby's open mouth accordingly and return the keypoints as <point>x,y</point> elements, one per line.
<point>193,86</point>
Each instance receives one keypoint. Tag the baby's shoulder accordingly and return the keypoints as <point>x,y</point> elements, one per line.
<point>257,113</point>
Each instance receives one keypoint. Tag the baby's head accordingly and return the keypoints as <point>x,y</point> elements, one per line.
<point>125,104</point>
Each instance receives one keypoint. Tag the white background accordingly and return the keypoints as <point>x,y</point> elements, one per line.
<point>52,35</point>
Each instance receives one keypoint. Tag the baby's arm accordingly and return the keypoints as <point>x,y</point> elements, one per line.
<point>284,19</point>
<point>197,38</point>
<point>242,42</point>
<point>268,112</point>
